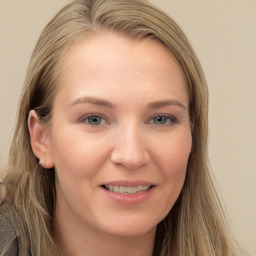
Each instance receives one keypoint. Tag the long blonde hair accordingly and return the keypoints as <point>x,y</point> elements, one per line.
<point>196,224</point>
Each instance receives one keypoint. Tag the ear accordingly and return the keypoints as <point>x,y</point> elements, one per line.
<point>39,140</point>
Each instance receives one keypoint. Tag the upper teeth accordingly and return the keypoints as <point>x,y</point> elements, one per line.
<point>127,190</point>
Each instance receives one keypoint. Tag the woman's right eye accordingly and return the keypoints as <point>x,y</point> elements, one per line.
<point>94,120</point>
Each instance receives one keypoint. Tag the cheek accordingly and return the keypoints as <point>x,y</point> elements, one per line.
<point>174,154</point>
<point>75,156</point>
<point>173,161</point>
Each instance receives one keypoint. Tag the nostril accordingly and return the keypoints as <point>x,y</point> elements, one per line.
<point>130,160</point>
<point>129,147</point>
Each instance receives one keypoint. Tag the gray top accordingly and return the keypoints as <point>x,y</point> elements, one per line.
<point>12,234</point>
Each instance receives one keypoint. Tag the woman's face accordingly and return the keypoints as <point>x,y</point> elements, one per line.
<point>120,135</point>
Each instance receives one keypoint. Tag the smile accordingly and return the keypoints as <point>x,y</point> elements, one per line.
<point>127,190</point>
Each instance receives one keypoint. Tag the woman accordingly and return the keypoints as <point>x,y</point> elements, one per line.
<point>109,156</point>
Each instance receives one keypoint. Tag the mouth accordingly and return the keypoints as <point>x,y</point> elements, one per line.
<point>127,190</point>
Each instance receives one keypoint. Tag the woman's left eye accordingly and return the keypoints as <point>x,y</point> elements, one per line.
<point>94,120</point>
<point>162,120</point>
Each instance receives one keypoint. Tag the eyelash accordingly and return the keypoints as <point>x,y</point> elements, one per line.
<point>85,118</point>
<point>172,119</point>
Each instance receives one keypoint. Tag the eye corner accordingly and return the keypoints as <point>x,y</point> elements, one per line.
<point>94,120</point>
<point>162,120</point>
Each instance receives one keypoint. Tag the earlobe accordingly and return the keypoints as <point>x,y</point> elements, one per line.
<point>39,140</point>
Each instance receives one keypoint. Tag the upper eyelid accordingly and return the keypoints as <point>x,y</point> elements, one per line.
<point>93,114</point>
<point>147,120</point>
<point>165,115</point>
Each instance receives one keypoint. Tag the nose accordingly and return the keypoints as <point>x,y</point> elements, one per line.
<point>130,149</point>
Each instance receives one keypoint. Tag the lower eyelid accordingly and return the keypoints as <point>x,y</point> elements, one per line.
<point>85,118</point>
<point>172,119</point>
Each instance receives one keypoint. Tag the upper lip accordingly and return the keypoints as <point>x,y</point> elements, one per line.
<point>129,183</point>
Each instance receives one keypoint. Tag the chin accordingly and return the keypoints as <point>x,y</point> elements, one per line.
<point>128,227</point>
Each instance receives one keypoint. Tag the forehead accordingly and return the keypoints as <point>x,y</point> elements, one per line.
<point>120,60</point>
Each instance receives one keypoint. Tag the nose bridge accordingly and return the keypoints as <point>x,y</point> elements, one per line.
<point>130,147</point>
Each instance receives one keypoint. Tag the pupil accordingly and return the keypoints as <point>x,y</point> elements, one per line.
<point>160,119</point>
<point>95,120</point>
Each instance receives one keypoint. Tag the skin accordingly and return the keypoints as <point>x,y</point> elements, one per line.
<point>139,80</point>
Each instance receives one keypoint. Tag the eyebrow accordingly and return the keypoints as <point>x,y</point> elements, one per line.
<point>105,103</point>
<point>93,100</point>
<point>163,103</point>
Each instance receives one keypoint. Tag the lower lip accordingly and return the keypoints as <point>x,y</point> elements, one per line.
<point>129,199</point>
